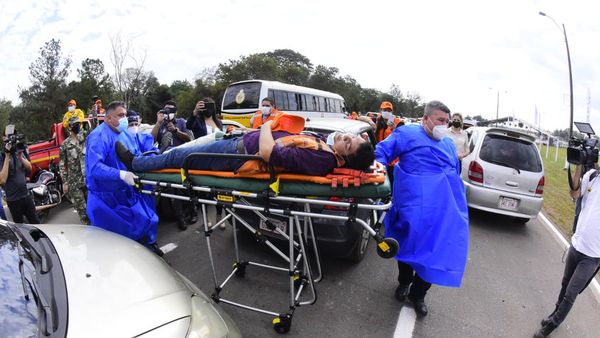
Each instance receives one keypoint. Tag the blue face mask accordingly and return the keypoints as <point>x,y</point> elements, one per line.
<point>123,123</point>
<point>331,138</point>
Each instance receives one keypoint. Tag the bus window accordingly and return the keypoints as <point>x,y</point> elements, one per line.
<point>299,102</point>
<point>281,100</point>
<point>310,103</point>
<point>322,106</point>
<point>292,103</point>
<point>242,95</point>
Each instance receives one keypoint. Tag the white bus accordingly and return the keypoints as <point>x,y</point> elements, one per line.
<point>242,99</point>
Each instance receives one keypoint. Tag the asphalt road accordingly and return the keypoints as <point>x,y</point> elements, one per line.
<point>512,281</point>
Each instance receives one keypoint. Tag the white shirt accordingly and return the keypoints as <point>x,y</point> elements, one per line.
<point>587,236</point>
<point>209,129</point>
<point>461,140</point>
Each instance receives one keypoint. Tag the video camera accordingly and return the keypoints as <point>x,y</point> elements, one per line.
<point>169,114</point>
<point>583,152</point>
<point>17,141</point>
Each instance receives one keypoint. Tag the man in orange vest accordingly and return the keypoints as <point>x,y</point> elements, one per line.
<point>266,113</point>
<point>386,121</point>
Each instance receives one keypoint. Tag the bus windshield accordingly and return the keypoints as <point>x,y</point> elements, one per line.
<point>242,96</point>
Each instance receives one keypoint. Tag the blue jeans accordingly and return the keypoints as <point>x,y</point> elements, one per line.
<point>579,269</point>
<point>176,157</point>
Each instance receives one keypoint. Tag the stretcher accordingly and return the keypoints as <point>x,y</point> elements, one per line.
<point>287,195</point>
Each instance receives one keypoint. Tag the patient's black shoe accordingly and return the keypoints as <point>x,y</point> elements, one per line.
<point>124,155</point>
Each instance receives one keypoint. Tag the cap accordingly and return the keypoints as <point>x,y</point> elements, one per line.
<point>132,116</point>
<point>386,105</point>
<point>72,103</point>
<point>74,120</point>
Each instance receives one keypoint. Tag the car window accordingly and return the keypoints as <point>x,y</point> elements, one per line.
<point>510,152</point>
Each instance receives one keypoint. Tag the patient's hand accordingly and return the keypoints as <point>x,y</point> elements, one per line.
<point>378,166</point>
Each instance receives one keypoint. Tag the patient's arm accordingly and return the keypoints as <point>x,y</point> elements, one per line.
<point>265,141</point>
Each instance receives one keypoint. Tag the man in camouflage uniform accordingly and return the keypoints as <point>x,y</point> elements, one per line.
<point>72,168</point>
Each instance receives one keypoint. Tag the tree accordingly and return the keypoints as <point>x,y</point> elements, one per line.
<point>94,81</point>
<point>6,108</point>
<point>46,99</point>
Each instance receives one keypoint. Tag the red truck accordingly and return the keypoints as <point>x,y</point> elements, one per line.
<point>43,152</point>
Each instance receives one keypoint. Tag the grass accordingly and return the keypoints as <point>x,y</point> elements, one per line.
<point>558,205</point>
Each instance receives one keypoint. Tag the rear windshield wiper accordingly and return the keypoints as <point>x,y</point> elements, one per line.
<point>506,165</point>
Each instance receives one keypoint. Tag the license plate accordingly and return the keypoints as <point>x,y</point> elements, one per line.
<point>281,225</point>
<point>508,203</point>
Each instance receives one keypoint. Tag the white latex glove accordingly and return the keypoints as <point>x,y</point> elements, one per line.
<point>127,177</point>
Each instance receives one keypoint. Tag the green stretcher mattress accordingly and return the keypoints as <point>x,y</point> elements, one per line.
<point>286,188</point>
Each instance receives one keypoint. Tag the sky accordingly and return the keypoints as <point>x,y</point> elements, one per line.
<point>474,56</point>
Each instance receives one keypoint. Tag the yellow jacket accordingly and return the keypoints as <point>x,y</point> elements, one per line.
<point>77,112</point>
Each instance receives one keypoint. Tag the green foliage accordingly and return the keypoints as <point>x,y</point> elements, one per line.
<point>44,102</point>
<point>5,110</point>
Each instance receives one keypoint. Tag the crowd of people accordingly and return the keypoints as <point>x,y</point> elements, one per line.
<point>423,163</point>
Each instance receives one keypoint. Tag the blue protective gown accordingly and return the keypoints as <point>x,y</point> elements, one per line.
<point>112,204</point>
<point>429,216</point>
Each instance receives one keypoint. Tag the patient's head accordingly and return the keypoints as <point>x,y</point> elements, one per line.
<point>355,150</point>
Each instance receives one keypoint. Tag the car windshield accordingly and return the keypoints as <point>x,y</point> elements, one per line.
<point>19,316</point>
<point>510,152</point>
<point>242,96</point>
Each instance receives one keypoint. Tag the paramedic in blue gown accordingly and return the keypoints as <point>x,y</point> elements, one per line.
<point>113,203</point>
<point>429,215</point>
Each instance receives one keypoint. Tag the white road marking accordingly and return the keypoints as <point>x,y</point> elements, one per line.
<point>594,284</point>
<point>406,323</point>
<point>168,247</point>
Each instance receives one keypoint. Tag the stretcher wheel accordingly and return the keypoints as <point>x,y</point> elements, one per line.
<point>282,323</point>
<point>387,248</point>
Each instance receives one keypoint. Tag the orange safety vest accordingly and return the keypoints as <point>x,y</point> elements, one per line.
<point>382,134</point>
<point>258,121</point>
<point>297,141</point>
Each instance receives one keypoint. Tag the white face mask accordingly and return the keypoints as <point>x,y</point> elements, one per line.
<point>133,129</point>
<point>386,115</point>
<point>71,108</point>
<point>331,138</point>
<point>171,116</point>
<point>439,132</point>
<point>266,110</point>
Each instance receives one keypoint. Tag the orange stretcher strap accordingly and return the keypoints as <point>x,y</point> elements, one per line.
<point>347,177</point>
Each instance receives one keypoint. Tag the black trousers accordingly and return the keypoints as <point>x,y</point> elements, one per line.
<point>408,276</point>
<point>23,207</point>
<point>579,269</point>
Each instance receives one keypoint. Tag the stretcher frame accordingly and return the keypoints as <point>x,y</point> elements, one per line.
<point>301,275</point>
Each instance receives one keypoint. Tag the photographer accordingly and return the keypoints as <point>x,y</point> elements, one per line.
<point>204,119</point>
<point>13,177</point>
<point>169,130</point>
<point>583,257</point>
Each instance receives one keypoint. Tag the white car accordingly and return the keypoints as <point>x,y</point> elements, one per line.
<point>82,281</point>
<point>504,173</point>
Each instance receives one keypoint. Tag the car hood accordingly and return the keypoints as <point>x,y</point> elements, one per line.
<point>115,286</point>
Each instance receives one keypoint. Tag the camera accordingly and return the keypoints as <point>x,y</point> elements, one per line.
<point>17,141</point>
<point>169,114</point>
<point>583,152</point>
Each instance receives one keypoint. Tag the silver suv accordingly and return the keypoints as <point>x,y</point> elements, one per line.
<point>504,173</point>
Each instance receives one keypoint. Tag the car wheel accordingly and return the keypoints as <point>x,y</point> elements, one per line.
<point>360,250</point>
<point>521,220</point>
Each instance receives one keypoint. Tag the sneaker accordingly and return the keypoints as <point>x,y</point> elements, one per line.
<point>401,292</point>
<point>181,223</point>
<point>545,330</point>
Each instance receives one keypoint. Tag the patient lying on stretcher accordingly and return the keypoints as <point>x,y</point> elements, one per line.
<point>302,154</point>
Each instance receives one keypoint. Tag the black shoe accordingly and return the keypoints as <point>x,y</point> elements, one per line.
<point>420,307</point>
<point>154,247</point>
<point>545,330</point>
<point>124,155</point>
<point>401,292</point>
<point>181,224</point>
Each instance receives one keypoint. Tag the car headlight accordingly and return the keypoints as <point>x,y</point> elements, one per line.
<point>207,321</point>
